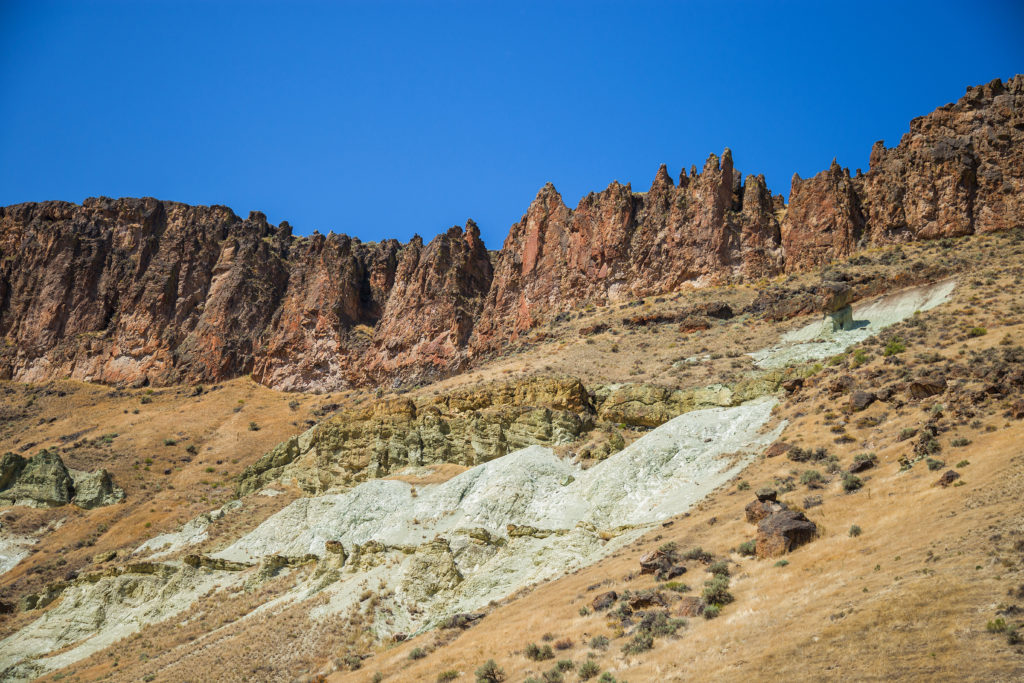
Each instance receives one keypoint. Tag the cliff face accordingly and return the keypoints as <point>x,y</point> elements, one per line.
<point>140,290</point>
<point>959,170</point>
<point>619,244</point>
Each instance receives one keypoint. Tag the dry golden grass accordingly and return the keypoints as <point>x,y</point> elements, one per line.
<point>908,599</point>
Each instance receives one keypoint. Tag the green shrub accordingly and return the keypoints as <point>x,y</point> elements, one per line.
<point>855,531</point>
<point>641,642</point>
<point>963,463</point>
<point>865,457</point>
<point>894,346</point>
<point>711,611</point>
<point>960,443</point>
<point>588,670</point>
<point>748,548</point>
<point>977,332</point>
<point>170,442</point>
<point>417,653</point>
<point>446,676</point>
<point>716,591</point>
<point>851,482</point>
<point>720,568</point>
<point>538,653</point>
<point>996,626</point>
<point>676,586</point>
<point>782,563</point>
<point>553,676</point>
<point>812,479</point>
<point>697,554</point>
<point>253,427</point>
<point>599,642</point>
<point>565,665</point>
<point>490,672</point>
<point>934,464</point>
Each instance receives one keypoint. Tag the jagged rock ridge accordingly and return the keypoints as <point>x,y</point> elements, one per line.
<point>145,291</point>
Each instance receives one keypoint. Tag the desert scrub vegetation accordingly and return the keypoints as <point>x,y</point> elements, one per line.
<point>490,672</point>
<point>538,653</point>
<point>588,669</point>
<point>851,483</point>
<point>748,548</point>
<point>716,595</point>
<point>894,346</point>
<point>653,625</point>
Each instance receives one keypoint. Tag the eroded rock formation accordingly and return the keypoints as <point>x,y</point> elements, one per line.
<point>145,291</point>
<point>44,481</point>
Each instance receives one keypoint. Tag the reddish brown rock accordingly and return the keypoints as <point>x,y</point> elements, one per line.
<point>947,478</point>
<point>146,291</point>
<point>782,532</point>
<point>432,308</point>
<point>691,606</point>
<point>759,509</point>
<point>604,601</point>
<point>778,448</point>
<point>618,244</point>
<point>923,387</point>
<point>860,400</point>
<point>823,220</point>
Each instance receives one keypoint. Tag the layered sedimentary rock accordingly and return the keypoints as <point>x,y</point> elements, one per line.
<point>466,428</point>
<point>145,291</point>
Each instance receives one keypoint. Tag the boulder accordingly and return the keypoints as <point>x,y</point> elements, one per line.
<point>782,532</point>
<point>604,601</point>
<point>759,509</point>
<point>718,310</point>
<point>691,606</point>
<point>947,478</point>
<point>646,599</point>
<point>859,400</point>
<point>95,489</point>
<point>793,385</point>
<point>462,620</point>
<point>778,448</point>
<point>923,387</point>
<point>834,297</point>
<point>661,564</point>
<point>42,482</point>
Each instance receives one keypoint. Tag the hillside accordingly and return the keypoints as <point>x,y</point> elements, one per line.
<point>692,433</point>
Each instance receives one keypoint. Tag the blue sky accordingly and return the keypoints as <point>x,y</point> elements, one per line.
<point>385,119</point>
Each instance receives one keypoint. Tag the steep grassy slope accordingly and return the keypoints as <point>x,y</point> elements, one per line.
<point>910,596</point>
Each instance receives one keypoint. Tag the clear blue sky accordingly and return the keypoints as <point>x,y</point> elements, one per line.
<point>385,119</point>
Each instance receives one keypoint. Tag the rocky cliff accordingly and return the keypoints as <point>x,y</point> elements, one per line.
<point>145,291</point>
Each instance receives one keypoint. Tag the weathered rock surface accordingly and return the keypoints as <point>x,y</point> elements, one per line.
<point>147,291</point>
<point>466,427</point>
<point>44,481</point>
<point>95,489</point>
<point>782,532</point>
